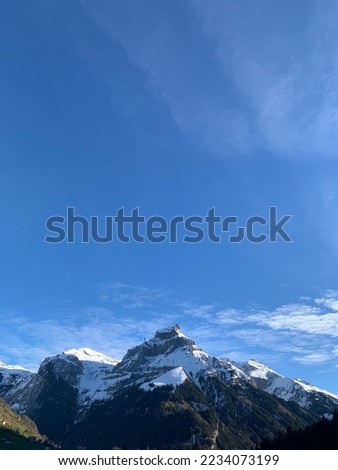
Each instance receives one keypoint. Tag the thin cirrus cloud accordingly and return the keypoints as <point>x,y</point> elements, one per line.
<point>188,81</point>
<point>129,296</point>
<point>313,358</point>
<point>285,68</point>
<point>250,79</point>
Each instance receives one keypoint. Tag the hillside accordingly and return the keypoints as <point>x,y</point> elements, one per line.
<point>18,431</point>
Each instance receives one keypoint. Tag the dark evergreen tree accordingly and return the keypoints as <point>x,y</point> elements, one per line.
<point>323,435</point>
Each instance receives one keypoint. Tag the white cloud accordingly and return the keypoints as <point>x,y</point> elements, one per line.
<point>329,300</point>
<point>326,324</point>
<point>313,358</point>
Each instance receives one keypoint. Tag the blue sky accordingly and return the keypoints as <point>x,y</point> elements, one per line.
<point>173,107</point>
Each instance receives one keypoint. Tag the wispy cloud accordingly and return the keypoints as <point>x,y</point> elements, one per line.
<point>199,311</point>
<point>129,296</point>
<point>313,358</point>
<point>285,70</point>
<point>246,81</point>
<point>179,72</point>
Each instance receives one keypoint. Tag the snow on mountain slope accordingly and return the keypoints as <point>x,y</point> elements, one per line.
<point>306,395</point>
<point>7,367</point>
<point>88,371</point>
<point>95,379</point>
<point>12,377</point>
<point>259,370</point>
<point>289,389</point>
<point>88,355</point>
<point>174,377</point>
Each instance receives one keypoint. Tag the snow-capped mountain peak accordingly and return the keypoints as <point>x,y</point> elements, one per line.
<point>13,367</point>
<point>89,355</point>
<point>171,332</point>
<point>168,350</point>
<point>89,372</point>
<point>13,377</point>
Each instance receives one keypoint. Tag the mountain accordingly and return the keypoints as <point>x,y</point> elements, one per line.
<point>18,432</point>
<point>64,387</point>
<point>12,377</point>
<point>166,393</point>
<point>307,396</point>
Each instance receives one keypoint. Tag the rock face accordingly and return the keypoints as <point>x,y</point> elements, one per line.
<point>12,378</point>
<point>165,393</point>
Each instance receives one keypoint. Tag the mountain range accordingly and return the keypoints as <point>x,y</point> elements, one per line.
<point>166,393</point>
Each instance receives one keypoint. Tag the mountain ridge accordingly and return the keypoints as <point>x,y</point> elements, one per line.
<point>171,374</point>
<point>166,343</point>
<point>297,390</point>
